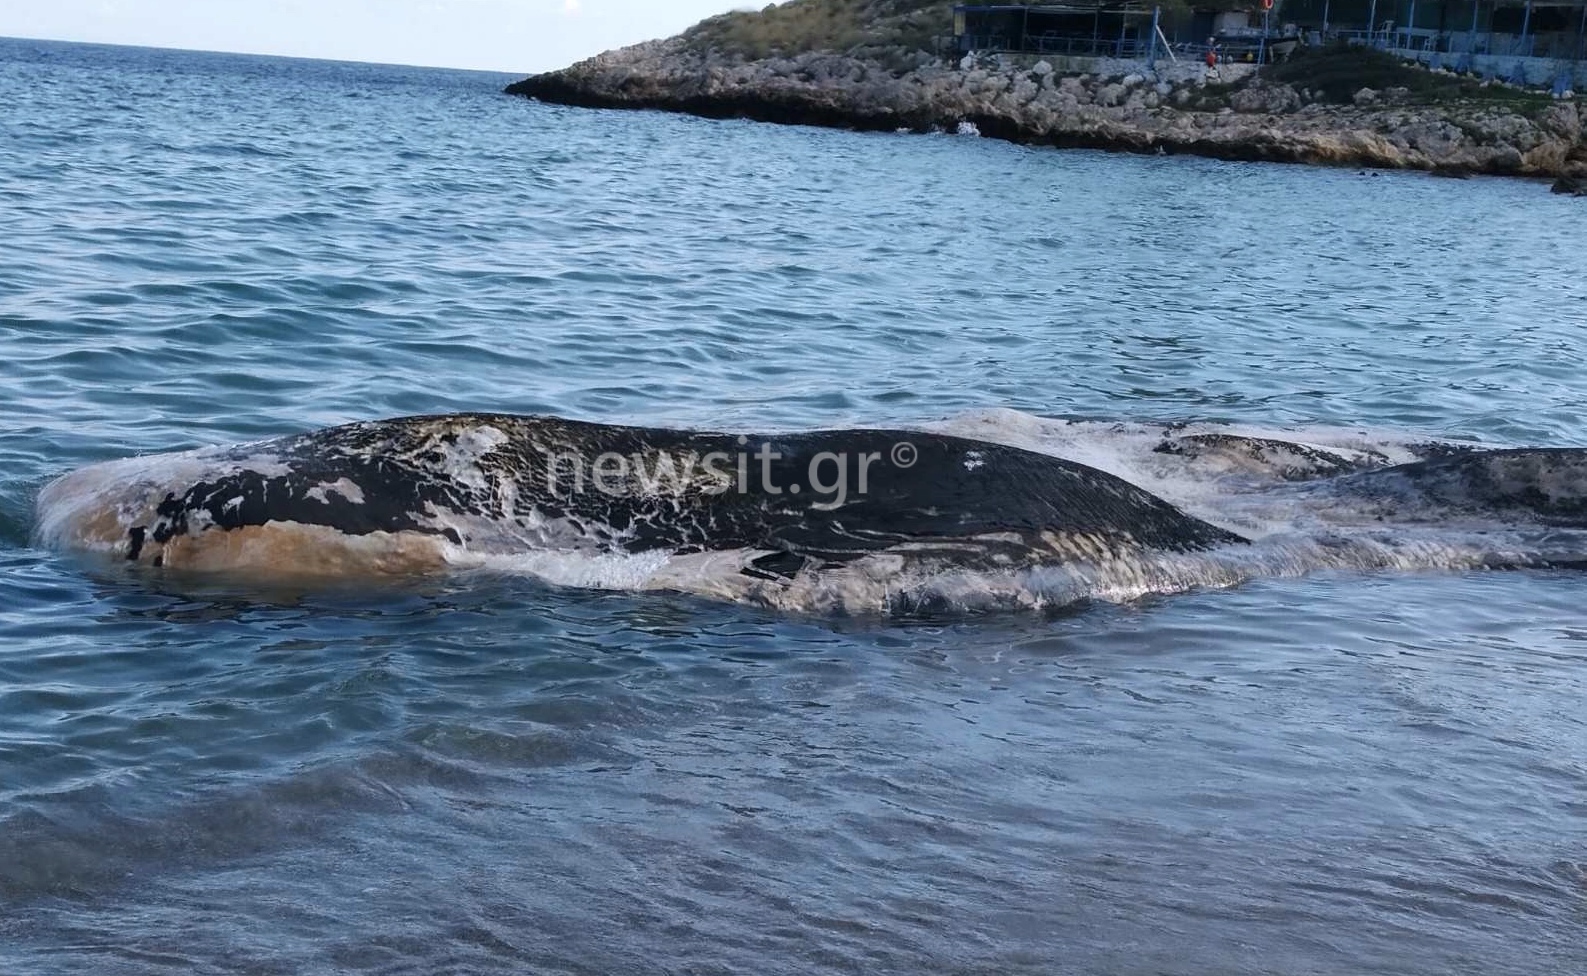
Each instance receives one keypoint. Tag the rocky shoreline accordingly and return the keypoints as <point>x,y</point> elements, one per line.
<point>1175,109</point>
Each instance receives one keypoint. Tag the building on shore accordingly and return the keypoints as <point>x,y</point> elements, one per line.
<point>1082,28</point>
<point>1533,42</point>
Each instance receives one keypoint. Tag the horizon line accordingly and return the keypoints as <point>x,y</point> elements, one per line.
<point>520,73</point>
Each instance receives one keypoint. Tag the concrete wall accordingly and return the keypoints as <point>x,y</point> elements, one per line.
<point>1539,72</point>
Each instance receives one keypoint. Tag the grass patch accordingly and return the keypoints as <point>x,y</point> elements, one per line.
<point>1335,73</point>
<point>798,26</point>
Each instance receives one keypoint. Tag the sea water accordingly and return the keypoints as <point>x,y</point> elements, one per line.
<point>1340,773</point>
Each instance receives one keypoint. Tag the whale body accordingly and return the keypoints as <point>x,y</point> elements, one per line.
<point>414,493</point>
<point>858,517</point>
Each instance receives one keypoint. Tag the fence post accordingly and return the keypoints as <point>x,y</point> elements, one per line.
<point>1151,54</point>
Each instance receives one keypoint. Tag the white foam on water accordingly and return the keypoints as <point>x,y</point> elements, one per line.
<point>1251,494</point>
<point>885,584</point>
<point>580,568</point>
<point>1278,497</point>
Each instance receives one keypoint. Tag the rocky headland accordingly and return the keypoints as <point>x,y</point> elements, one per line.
<point>1310,110</point>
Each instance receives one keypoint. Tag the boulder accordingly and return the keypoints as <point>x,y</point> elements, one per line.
<point>1271,99</point>
<point>1564,120</point>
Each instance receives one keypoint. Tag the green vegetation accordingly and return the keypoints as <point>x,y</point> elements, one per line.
<point>1335,73</point>
<point>786,29</point>
<point>858,26</point>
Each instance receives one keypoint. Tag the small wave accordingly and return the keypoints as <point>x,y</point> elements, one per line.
<point>893,586</point>
<point>245,150</point>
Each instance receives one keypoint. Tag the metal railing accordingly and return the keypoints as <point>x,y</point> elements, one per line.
<point>1053,44</point>
<point>1456,42</point>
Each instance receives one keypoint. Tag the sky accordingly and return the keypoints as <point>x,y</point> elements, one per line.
<point>516,36</point>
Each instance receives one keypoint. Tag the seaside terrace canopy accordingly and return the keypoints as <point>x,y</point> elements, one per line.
<point>1445,33</point>
<point>1081,27</point>
<point>1508,28</point>
<point>1552,26</point>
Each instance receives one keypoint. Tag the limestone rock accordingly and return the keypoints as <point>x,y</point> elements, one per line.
<point>1115,108</point>
<point>1563,119</point>
<point>1272,99</point>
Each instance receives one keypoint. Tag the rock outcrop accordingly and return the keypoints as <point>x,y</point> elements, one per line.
<point>1177,112</point>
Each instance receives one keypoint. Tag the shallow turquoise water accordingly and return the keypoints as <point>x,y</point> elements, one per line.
<point>1337,774</point>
